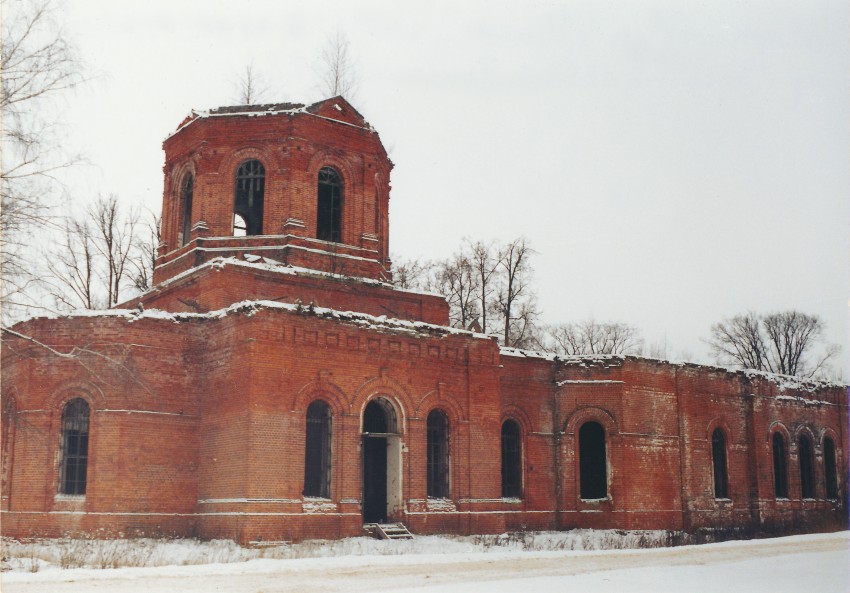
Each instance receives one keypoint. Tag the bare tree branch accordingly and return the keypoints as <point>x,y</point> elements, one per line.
<point>251,89</point>
<point>592,337</point>
<point>37,65</point>
<point>337,73</point>
<point>781,343</point>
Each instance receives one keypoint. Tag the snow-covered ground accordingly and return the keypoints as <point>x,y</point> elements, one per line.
<point>800,564</point>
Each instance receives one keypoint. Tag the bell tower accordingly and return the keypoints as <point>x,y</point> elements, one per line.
<point>285,203</point>
<point>303,185</point>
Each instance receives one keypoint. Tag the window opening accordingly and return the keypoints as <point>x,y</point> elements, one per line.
<point>188,189</point>
<point>718,458</point>
<point>780,466</point>
<point>438,455</point>
<point>379,417</point>
<point>248,200</point>
<point>329,217</point>
<point>829,468</point>
<point>593,471</point>
<point>75,447</point>
<point>807,479</point>
<point>317,457</point>
<point>511,460</point>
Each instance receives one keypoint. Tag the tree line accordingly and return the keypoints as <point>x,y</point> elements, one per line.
<point>489,288</point>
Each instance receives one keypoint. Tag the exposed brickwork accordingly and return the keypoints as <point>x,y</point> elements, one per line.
<point>198,416</point>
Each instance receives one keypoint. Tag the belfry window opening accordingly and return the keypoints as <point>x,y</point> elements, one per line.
<point>186,196</point>
<point>329,215</point>
<point>248,199</point>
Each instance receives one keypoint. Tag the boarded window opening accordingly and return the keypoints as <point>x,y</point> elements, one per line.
<point>780,466</point>
<point>329,216</point>
<point>317,458</point>
<point>807,478</point>
<point>593,470</point>
<point>829,468</point>
<point>248,199</point>
<point>186,196</point>
<point>511,460</point>
<point>75,447</point>
<point>718,458</point>
<point>438,455</point>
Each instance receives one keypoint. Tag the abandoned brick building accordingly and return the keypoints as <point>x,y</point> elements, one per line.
<point>274,385</point>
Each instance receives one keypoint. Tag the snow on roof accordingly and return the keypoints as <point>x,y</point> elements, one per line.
<point>264,110</point>
<point>271,265</point>
<point>251,307</point>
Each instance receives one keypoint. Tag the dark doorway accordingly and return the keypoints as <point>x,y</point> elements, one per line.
<point>374,479</point>
<point>379,432</point>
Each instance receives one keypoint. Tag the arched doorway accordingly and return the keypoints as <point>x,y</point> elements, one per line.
<point>381,461</point>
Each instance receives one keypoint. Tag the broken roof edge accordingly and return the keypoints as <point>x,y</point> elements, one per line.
<point>611,360</point>
<point>266,109</point>
<point>251,307</point>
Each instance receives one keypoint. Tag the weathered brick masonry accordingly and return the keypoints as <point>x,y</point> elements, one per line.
<point>201,396</point>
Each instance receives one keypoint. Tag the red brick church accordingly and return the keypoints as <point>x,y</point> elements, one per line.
<point>274,385</point>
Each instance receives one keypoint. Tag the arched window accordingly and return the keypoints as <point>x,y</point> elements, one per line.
<point>329,216</point>
<point>186,197</point>
<point>718,460</point>
<point>75,447</point>
<point>593,470</point>
<point>829,468</point>
<point>438,455</point>
<point>248,199</point>
<point>780,466</point>
<point>511,460</point>
<point>317,455</point>
<point>807,466</point>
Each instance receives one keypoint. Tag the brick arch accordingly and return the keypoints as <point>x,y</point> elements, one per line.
<point>390,390</point>
<point>324,390</point>
<point>777,426</point>
<point>326,158</point>
<point>591,413</point>
<point>88,391</point>
<point>439,398</point>
<point>720,423</point>
<point>805,429</point>
<point>518,415</point>
<point>828,432</point>
<point>270,161</point>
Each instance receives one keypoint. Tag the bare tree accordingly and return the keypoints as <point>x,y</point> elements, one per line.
<point>146,246</point>
<point>251,88</point>
<point>456,280</point>
<point>740,340</point>
<point>337,73</point>
<point>36,65</point>
<point>484,264</point>
<point>592,337</point>
<point>93,267</point>
<point>409,273</point>
<point>781,343</point>
<point>515,300</point>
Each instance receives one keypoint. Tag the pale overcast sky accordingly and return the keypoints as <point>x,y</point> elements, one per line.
<point>672,162</point>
